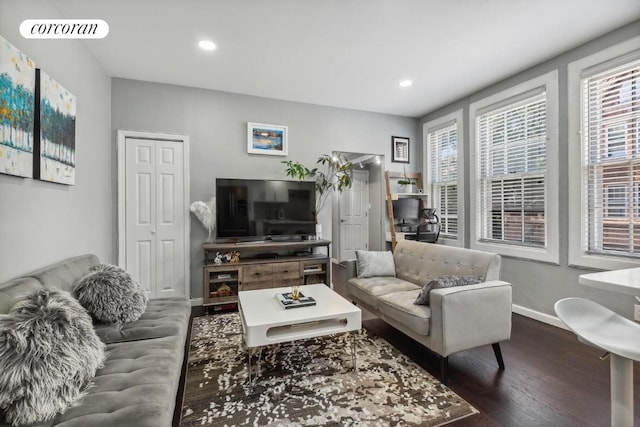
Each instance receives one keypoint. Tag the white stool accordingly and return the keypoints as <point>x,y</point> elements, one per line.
<point>600,327</point>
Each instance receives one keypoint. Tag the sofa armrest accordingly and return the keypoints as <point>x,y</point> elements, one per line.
<point>465,317</point>
<point>350,269</point>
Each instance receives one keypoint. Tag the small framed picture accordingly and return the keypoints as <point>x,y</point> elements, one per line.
<point>399,149</point>
<point>267,139</point>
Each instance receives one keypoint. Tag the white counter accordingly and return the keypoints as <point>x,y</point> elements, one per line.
<point>625,281</point>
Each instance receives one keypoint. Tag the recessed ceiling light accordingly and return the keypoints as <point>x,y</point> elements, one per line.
<point>207,45</point>
<point>405,83</point>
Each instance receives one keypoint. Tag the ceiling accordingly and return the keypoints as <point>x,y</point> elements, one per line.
<point>342,53</point>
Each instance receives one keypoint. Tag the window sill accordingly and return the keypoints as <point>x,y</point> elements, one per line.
<point>602,262</point>
<point>526,253</point>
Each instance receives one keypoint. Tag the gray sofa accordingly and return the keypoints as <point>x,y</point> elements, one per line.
<point>458,318</point>
<point>139,383</point>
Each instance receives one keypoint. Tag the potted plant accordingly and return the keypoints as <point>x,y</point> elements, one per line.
<point>336,174</point>
<point>407,185</point>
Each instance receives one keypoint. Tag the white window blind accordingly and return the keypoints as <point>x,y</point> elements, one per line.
<point>442,147</point>
<point>512,147</point>
<point>611,159</point>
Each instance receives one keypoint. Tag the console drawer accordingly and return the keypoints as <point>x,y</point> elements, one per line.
<point>257,273</point>
<point>286,270</point>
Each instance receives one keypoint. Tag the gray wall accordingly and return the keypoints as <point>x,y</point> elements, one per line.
<point>537,286</point>
<point>44,222</point>
<point>216,123</point>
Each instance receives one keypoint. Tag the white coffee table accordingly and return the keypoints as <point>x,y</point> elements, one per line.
<point>266,322</point>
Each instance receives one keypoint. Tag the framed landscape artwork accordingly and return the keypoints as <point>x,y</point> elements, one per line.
<point>55,147</point>
<point>17,111</point>
<point>399,149</point>
<point>267,139</point>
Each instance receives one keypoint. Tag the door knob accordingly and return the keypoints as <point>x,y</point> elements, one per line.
<point>343,220</point>
<point>153,231</point>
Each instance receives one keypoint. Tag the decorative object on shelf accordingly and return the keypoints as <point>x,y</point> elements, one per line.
<point>267,139</point>
<point>54,146</point>
<point>205,212</point>
<point>223,290</point>
<point>312,279</point>
<point>235,257</point>
<point>399,149</point>
<point>295,292</point>
<point>17,111</point>
<point>407,185</point>
<point>338,175</point>
<point>218,258</point>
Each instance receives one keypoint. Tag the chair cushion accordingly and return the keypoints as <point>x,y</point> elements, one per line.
<point>371,288</point>
<point>111,295</point>
<point>164,317</point>
<point>375,264</point>
<point>400,306</point>
<point>444,282</point>
<point>49,354</point>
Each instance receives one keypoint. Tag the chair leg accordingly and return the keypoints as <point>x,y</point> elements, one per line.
<point>498,353</point>
<point>444,367</point>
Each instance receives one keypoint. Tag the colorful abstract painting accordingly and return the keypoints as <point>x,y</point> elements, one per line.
<point>56,145</point>
<point>267,139</point>
<point>17,110</point>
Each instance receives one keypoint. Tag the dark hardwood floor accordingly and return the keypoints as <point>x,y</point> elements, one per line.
<point>551,379</point>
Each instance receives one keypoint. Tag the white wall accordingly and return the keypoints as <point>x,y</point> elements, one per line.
<point>42,222</point>
<point>216,123</point>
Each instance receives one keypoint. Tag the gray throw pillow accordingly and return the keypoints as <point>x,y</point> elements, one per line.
<point>444,282</point>
<point>111,295</point>
<point>49,353</point>
<point>375,264</point>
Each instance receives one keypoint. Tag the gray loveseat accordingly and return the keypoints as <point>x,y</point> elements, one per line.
<point>458,318</point>
<point>138,385</point>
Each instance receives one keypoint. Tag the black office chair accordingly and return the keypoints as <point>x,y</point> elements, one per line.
<point>428,230</point>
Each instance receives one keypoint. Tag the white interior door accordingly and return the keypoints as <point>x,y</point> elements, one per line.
<point>155,200</point>
<point>354,216</point>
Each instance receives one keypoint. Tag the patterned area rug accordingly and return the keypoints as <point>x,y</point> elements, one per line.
<point>309,382</point>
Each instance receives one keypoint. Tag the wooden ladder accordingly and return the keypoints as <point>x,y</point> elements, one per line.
<point>394,196</point>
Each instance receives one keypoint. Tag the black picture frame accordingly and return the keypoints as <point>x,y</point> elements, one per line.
<point>399,149</point>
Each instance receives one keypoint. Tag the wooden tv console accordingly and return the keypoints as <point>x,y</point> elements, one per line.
<point>264,264</point>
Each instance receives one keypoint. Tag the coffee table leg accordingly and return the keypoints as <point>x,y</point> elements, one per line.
<point>353,350</point>
<point>258,367</point>
<point>249,351</point>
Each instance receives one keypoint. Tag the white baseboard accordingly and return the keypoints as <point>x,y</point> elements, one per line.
<point>539,316</point>
<point>196,301</point>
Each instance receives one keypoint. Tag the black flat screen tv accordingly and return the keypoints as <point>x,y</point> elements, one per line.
<point>252,209</point>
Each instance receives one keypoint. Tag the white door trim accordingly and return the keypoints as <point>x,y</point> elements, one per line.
<point>122,247</point>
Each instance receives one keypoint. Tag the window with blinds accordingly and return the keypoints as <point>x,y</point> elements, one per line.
<point>611,159</point>
<point>442,152</point>
<point>512,148</point>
